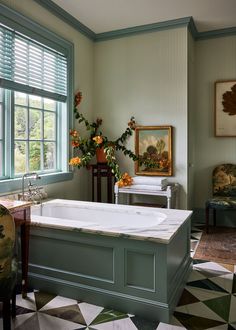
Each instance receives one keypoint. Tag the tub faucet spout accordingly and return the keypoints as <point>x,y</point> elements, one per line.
<point>32,175</point>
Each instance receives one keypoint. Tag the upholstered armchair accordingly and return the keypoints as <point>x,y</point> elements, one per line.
<point>224,191</point>
<point>8,267</point>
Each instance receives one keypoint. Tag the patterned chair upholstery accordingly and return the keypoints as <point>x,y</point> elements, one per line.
<point>8,266</point>
<point>224,191</point>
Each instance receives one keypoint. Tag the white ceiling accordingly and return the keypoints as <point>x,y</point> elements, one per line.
<point>107,15</point>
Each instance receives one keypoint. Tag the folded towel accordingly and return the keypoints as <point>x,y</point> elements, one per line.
<point>149,180</point>
<point>146,187</point>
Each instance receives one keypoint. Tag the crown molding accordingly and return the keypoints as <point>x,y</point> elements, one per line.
<point>216,33</point>
<point>171,24</point>
<point>66,17</point>
<point>180,22</point>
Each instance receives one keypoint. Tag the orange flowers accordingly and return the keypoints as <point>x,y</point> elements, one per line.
<point>98,139</point>
<point>74,133</point>
<point>75,161</point>
<point>75,143</point>
<point>87,146</point>
<point>125,180</point>
<point>78,99</point>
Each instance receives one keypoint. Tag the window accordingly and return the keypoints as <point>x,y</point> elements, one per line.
<point>35,94</point>
<point>35,133</point>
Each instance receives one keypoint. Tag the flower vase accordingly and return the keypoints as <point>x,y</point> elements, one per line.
<point>100,155</point>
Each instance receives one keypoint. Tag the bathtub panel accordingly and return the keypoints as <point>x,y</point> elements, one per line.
<point>177,250</point>
<point>87,260</point>
<point>178,254</point>
<point>140,270</point>
<point>55,267</point>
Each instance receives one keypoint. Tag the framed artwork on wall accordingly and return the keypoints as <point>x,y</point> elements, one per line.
<point>225,108</point>
<point>154,145</point>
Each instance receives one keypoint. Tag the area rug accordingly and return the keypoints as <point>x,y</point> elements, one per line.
<point>218,246</point>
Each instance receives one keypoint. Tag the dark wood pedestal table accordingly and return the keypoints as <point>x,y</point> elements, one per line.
<point>99,171</point>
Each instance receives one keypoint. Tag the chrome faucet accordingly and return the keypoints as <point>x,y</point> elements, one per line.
<point>32,175</point>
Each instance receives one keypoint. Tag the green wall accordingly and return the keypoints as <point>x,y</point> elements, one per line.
<point>145,76</point>
<point>215,59</point>
<point>162,78</point>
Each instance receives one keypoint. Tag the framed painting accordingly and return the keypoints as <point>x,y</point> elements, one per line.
<point>225,108</point>
<point>153,146</point>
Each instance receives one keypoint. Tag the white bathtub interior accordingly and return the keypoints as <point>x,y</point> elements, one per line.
<point>99,215</point>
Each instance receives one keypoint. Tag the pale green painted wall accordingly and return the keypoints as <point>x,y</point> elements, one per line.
<point>191,119</point>
<point>215,60</point>
<point>79,188</point>
<point>162,78</point>
<point>145,76</point>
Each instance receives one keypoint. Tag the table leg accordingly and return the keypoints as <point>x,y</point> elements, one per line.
<point>93,186</point>
<point>109,186</point>
<point>207,219</point>
<point>25,232</point>
<point>116,198</point>
<point>168,202</point>
<point>99,193</point>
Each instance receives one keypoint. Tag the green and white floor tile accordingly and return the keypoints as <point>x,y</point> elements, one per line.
<point>208,302</point>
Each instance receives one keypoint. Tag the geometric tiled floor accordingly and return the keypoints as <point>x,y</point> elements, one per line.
<point>208,302</point>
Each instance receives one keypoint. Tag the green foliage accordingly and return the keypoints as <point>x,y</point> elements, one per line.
<point>87,146</point>
<point>33,127</point>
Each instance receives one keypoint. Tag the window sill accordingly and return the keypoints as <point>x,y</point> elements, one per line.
<point>11,185</point>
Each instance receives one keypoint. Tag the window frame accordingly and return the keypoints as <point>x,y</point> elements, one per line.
<point>48,38</point>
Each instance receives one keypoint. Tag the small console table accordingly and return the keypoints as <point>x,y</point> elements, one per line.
<point>170,192</point>
<point>99,171</point>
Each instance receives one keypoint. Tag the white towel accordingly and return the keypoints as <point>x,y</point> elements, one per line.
<point>146,187</point>
<point>143,180</point>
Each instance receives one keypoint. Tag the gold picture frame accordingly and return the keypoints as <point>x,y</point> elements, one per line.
<point>154,143</point>
<point>225,111</point>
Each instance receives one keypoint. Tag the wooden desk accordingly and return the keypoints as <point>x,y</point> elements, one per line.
<point>21,213</point>
<point>100,171</point>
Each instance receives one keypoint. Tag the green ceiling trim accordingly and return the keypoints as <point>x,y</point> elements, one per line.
<point>192,28</point>
<point>180,22</point>
<point>66,17</point>
<point>216,33</point>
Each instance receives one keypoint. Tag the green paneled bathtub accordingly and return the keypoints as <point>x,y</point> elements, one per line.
<point>129,258</point>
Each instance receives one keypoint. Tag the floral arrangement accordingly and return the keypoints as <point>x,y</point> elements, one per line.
<point>84,148</point>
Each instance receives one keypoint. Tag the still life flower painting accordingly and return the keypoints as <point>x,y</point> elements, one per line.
<point>153,145</point>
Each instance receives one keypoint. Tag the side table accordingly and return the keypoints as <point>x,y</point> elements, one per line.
<point>99,171</point>
<point>170,192</point>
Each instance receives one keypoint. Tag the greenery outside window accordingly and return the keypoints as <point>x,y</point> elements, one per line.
<point>35,133</point>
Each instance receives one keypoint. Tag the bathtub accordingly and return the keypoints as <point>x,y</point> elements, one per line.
<point>129,258</point>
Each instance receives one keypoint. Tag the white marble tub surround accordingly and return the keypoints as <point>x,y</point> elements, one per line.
<point>134,222</point>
